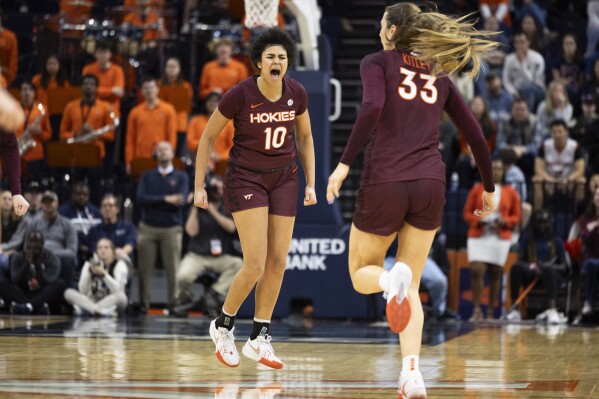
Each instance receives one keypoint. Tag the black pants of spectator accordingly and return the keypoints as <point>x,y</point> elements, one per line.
<point>69,269</point>
<point>52,294</point>
<point>521,275</point>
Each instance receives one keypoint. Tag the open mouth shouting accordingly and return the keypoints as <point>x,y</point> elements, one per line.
<point>275,73</point>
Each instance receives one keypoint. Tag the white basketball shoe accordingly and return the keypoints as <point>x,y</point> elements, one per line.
<point>411,386</point>
<point>226,351</point>
<point>261,351</point>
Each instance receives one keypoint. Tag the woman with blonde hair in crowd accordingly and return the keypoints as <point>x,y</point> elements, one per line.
<point>556,106</point>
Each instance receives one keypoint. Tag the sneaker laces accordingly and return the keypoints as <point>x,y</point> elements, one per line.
<point>228,339</point>
<point>265,339</point>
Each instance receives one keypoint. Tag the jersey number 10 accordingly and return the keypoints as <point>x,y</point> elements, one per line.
<point>408,89</point>
<point>275,139</point>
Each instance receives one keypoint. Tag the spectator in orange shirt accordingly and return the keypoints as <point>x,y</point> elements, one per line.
<point>172,78</point>
<point>36,127</point>
<point>81,117</point>
<point>222,73</point>
<point>222,144</point>
<point>110,76</point>
<point>9,53</point>
<point>86,114</point>
<point>3,82</point>
<point>149,123</point>
<point>51,77</point>
<point>146,18</point>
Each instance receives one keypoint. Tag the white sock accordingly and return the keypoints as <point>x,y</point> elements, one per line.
<point>261,321</point>
<point>384,281</point>
<point>409,363</point>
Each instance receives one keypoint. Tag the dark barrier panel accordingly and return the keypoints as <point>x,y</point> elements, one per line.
<point>319,105</point>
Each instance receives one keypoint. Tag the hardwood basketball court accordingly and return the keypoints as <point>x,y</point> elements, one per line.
<point>160,357</point>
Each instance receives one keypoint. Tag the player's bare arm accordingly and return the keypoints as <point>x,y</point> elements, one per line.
<point>305,145</point>
<point>214,127</point>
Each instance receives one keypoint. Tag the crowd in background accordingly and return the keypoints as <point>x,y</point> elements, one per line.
<point>536,103</point>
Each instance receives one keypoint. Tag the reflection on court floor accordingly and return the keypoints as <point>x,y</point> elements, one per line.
<point>160,357</point>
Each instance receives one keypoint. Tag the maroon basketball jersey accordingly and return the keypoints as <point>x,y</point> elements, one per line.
<point>264,130</point>
<point>401,109</point>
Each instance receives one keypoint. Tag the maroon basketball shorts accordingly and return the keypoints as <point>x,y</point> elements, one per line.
<point>247,189</point>
<point>383,208</point>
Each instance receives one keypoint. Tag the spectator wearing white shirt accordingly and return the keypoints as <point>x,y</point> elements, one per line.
<point>102,283</point>
<point>524,72</point>
<point>559,166</point>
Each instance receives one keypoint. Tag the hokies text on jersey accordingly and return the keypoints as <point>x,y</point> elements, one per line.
<point>269,117</point>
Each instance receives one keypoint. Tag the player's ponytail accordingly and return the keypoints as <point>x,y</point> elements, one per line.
<point>449,44</point>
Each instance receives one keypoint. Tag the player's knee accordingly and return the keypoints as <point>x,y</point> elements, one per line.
<point>276,264</point>
<point>253,269</point>
<point>358,287</point>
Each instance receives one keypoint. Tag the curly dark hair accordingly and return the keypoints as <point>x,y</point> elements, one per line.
<point>272,37</point>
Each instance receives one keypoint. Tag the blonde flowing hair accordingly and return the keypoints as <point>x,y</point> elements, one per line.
<point>449,44</point>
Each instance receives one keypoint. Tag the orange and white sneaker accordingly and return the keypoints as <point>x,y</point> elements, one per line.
<point>398,305</point>
<point>411,386</point>
<point>261,351</point>
<point>226,351</point>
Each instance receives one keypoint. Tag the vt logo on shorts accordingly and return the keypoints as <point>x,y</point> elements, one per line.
<point>248,196</point>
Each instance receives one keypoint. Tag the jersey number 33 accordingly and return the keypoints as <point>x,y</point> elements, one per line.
<point>408,90</point>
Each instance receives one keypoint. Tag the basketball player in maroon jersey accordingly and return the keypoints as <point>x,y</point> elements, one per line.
<point>261,187</point>
<point>402,191</point>
<point>12,116</point>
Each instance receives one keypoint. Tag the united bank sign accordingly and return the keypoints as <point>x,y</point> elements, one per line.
<point>312,253</point>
